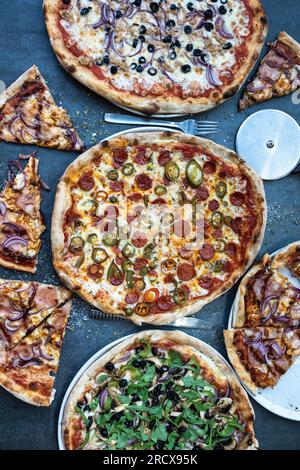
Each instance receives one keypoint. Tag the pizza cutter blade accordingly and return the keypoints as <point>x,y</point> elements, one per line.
<point>269,141</point>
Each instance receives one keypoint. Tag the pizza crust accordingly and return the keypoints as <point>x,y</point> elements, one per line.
<point>63,202</point>
<point>155,105</point>
<point>289,42</point>
<point>179,338</point>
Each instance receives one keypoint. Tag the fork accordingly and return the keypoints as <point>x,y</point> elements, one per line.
<point>186,322</point>
<point>190,126</point>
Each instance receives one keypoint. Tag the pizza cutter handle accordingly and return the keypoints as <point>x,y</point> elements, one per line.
<point>124,119</point>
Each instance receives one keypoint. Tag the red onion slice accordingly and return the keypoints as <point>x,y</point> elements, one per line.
<point>2,208</point>
<point>222,29</point>
<point>126,357</point>
<point>277,349</point>
<point>252,88</point>
<point>14,316</point>
<point>28,124</point>
<point>102,398</point>
<point>11,327</point>
<point>11,241</point>
<point>212,77</point>
<point>26,355</point>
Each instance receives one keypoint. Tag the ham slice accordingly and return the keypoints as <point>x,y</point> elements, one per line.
<point>274,60</point>
<point>268,73</point>
<point>273,287</point>
<point>46,297</point>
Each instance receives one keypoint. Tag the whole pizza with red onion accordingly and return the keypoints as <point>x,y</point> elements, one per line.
<point>155,226</point>
<point>158,57</point>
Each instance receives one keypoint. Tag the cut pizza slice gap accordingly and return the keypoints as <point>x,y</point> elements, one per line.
<point>23,306</point>
<point>29,115</point>
<point>30,367</point>
<point>278,73</point>
<point>21,221</point>
<point>261,356</point>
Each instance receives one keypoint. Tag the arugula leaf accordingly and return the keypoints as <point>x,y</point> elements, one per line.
<point>94,403</point>
<point>149,374</point>
<point>102,378</point>
<point>171,440</point>
<point>155,411</point>
<point>159,432</point>
<point>84,418</point>
<point>174,358</point>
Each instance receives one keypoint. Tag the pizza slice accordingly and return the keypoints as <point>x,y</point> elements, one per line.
<point>290,259</point>
<point>29,115</point>
<point>261,356</point>
<point>278,73</point>
<point>30,367</point>
<point>21,222</point>
<point>23,306</point>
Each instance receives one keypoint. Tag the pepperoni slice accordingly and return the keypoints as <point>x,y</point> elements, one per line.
<point>169,278</point>
<point>185,252</point>
<point>237,198</point>
<point>182,228</point>
<point>202,194</point>
<point>237,225</point>
<point>186,272</point>
<point>139,239</point>
<point>231,249</point>
<point>217,233</point>
<point>205,282</point>
<point>141,157</point>
<point>143,181</point>
<point>132,298</point>
<point>159,201</point>
<point>207,252</point>
<point>165,302</point>
<point>213,205</point>
<point>116,186</point>
<point>86,182</point>
<point>139,263</point>
<point>164,157</point>
<point>209,167</point>
<point>135,197</point>
<point>120,155</point>
<point>188,151</point>
<point>117,281</point>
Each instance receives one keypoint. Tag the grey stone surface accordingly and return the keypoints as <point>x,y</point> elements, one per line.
<point>24,41</point>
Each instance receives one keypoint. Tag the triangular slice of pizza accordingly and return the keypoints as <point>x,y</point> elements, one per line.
<point>23,306</point>
<point>261,356</point>
<point>21,222</point>
<point>29,115</point>
<point>30,367</point>
<point>278,73</point>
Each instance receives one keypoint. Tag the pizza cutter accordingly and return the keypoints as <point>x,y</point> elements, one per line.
<point>269,141</point>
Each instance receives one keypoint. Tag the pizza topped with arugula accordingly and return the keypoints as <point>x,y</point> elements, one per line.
<point>158,57</point>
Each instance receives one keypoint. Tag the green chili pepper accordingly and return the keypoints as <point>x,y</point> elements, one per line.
<point>113,175</point>
<point>99,255</point>
<point>144,271</point>
<point>148,250</point>
<point>113,271</point>
<point>128,169</point>
<point>92,238</point>
<point>109,239</point>
<point>218,266</point>
<point>128,250</point>
<point>84,418</point>
<point>146,200</point>
<point>76,244</point>
<point>220,246</point>
<point>128,311</point>
<point>228,220</point>
<point>126,264</point>
<point>217,219</point>
<point>129,278</point>
<point>113,199</point>
<point>172,171</point>
<point>194,173</point>
<point>80,261</point>
<point>160,190</point>
<point>221,189</point>
<point>180,296</point>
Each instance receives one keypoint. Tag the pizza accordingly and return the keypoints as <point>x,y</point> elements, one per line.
<point>21,221</point>
<point>23,306</point>
<point>154,226</point>
<point>28,369</point>
<point>267,296</point>
<point>261,355</point>
<point>159,390</point>
<point>29,115</point>
<point>170,56</point>
<point>278,73</point>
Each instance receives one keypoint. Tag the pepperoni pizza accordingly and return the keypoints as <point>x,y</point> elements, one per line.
<point>158,57</point>
<point>155,226</point>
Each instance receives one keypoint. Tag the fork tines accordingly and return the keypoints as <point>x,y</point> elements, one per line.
<point>99,315</point>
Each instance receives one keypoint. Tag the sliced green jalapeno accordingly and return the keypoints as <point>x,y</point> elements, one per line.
<point>92,238</point>
<point>128,250</point>
<point>228,220</point>
<point>113,175</point>
<point>160,190</point>
<point>148,250</point>
<point>217,219</point>
<point>109,239</point>
<point>194,173</point>
<point>126,264</point>
<point>129,278</point>
<point>221,189</point>
<point>99,255</point>
<point>128,169</point>
<point>172,171</point>
<point>180,296</point>
<point>76,244</point>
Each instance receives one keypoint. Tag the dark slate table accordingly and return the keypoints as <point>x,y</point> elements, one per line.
<point>24,41</point>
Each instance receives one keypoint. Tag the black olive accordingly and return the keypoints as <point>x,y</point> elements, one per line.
<point>139,69</point>
<point>227,442</point>
<point>197,52</point>
<point>107,29</point>
<point>135,43</point>
<point>224,2</point>
<point>104,432</point>
<point>109,366</point>
<point>86,408</point>
<point>222,10</point>
<point>135,397</point>
<point>170,23</point>
<point>205,57</point>
<point>80,404</point>
<point>158,389</point>
<point>155,401</point>
<point>66,2</point>
<point>154,6</point>
<point>142,60</point>
<point>186,68</point>
<point>170,385</point>
<point>171,395</point>
<point>136,363</point>
<point>208,14</point>
<point>118,416</point>
<point>123,383</point>
<point>106,60</point>
<point>188,29</point>
<point>182,429</point>
<point>167,39</point>
<point>142,38</point>
<point>173,7</point>
<point>207,415</point>
<point>142,29</point>
<point>113,69</point>
<point>159,445</point>
<point>190,6</point>
<point>227,46</point>
<point>177,43</point>
<point>119,14</point>
<point>152,71</point>
<point>226,409</point>
<point>161,370</point>
<point>137,3</point>
<point>133,66</point>
<point>170,427</point>
<point>208,26</point>
<point>154,351</point>
<point>128,423</point>
<point>173,55</point>
<point>85,11</point>
<point>151,48</point>
<point>189,47</point>
<point>90,422</point>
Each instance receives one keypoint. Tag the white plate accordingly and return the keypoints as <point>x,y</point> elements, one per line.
<point>81,371</point>
<point>139,113</point>
<point>284,399</point>
<point>135,130</point>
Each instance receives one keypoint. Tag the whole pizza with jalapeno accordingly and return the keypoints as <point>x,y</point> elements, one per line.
<point>154,226</point>
<point>158,57</point>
